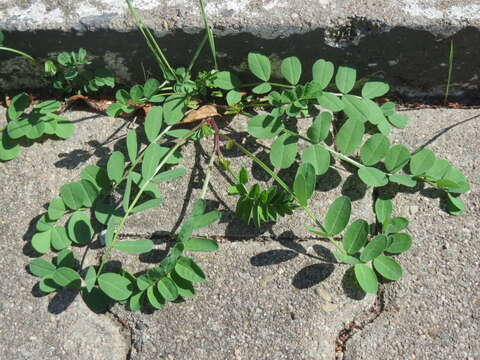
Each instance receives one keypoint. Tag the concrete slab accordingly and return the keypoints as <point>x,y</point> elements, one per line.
<point>405,41</point>
<point>433,312</point>
<point>263,299</point>
<point>55,326</point>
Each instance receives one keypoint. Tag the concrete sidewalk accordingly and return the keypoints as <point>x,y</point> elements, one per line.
<point>274,295</point>
<point>407,42</point>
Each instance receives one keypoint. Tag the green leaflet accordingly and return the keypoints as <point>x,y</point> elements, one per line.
<point>151,159</point>
<point>373,89</point>
<point>304,184</point>
<point>330,102</point>
<point>41,242</point>
<point>260,66</point>
<point>9,148</point>
<point>374,248</point>
<point>347,259</point>
<point>97,176</point>
<point>320,127</point>
<point>115,286</point>
<point>116,166</point>
<point>397,157</point>
<point>374,149</point>
<point>187,269</point>
<point>345,79</point>
<point>355,237</point>
<point>366,278</point>
<point>59,238</point>
<point>79,228</point>
<point>372,176</point>
<point>383,209</point>
<point>66,277</point>
<point>167,288</point>
<point>421,162</point>
<point>322,72</point>
<point>173,109</point>
<point>56,209</point>
<point>291,69</point>
<point>200,244</point>
<point>350,135</point>
<point>402,179</point>
<point>90,278</point>
<point>169,175</point>
<point>233,97</point>
<point>399,243</point>
<point>264,126</point>
<point>226,80</point>
<point>338,215</point>
<point>41,267</point>
<point>135,246</point>
<point>318,157</point>
<point>154,298</point>
<point>388,268</point>
<point>153,123</point>
<point>284,151</point>
<point>185,288</point>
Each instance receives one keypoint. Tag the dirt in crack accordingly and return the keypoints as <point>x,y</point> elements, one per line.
<point>353,327</point>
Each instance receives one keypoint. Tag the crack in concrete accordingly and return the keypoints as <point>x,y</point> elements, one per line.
<point>127,327</point>
<point>359,323</point>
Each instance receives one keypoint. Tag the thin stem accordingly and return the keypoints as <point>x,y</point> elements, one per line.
<point>197,52</point>
<point>209,34</point>
<point>120,226</point>
<point>282,85</point>
<point>140,156</point>
<point>337,154</point>
<point>208,174</point>
<point>18,52</point>
<point>450,68</point>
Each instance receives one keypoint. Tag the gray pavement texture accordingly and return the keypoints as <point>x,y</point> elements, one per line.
<point>405,41</point>
<point>274,295</point>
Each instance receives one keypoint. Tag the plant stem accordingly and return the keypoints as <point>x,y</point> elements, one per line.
<point>282,85</point>
<point>208,174</point>
<point>18,52</point>
<point>337,154</point>
<point>140,156</point>
<point>209,34</point>
<point>120,226</point>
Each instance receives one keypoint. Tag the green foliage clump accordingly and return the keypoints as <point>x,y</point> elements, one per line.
<point>40,121</point>
<point>345,124</point>
<point>69,74</point>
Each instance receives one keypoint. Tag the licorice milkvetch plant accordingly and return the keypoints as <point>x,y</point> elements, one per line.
<point>345,125</point>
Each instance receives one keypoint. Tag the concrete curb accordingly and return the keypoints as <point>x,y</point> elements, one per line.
<point>406,42</point>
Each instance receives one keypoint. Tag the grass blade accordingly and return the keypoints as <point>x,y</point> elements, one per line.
<point>450,68</point>
<point>197,52</point>
<point>167,70</point>
<point>211,40</point>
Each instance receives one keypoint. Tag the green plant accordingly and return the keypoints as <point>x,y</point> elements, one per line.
<point>41,120</point>
<point>18,52</point>
<point>69,75</point>
<point>342,128</point>
<point>450,70</point>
